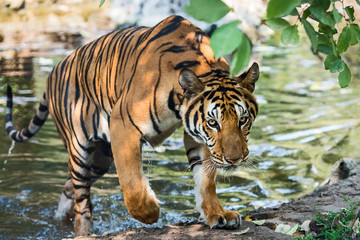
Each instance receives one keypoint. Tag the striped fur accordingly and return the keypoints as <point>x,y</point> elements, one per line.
<point>138,85</point>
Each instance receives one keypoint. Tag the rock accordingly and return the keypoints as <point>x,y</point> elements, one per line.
<point>342,169</point>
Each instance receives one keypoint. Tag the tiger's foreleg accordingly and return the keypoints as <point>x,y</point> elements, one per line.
<point>207,202</point>
<point>139,198</point>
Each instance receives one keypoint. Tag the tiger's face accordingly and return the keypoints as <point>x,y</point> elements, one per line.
<point>220,113</point>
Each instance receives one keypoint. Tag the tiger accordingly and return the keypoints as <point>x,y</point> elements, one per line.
<point>136,86</point>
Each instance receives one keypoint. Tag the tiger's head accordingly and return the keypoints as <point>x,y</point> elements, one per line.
<point>220,112</point>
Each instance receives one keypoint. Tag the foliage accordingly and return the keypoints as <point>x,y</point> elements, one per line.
<point>333,226</point>
<point>226,39</point>
<point>206,13</point>
<point>101,3</point>
<point>334,33</point>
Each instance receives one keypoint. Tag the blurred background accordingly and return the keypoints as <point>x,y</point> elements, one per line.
<point>306,121</point>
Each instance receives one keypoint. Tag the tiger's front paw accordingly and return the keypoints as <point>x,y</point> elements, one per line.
<point>225,220</point>
<point>143,207</point>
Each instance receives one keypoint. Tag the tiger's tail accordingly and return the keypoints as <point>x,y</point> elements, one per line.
<point>35,124</point>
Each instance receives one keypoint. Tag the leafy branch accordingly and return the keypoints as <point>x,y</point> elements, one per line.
<point>332,36</point>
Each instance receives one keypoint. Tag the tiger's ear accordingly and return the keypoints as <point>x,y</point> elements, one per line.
<point>190,83</point>
<point>247,79</point>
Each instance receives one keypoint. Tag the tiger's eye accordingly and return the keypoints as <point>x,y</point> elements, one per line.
<point>212,123</point>
<point>242,120</point>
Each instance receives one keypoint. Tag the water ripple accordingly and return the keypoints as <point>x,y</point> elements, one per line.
<point>312,131</point>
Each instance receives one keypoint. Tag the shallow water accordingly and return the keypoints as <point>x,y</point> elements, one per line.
<point>305,124</point>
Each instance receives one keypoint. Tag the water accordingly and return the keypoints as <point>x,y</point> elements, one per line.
<point>305,124</point>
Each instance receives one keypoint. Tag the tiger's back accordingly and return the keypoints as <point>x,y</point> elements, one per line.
<point>134,66</point>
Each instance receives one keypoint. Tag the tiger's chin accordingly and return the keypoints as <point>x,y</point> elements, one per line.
<point>228,168</point>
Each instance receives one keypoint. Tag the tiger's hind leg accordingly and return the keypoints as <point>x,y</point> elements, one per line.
<point>102,159</point>
<point>66,204</point>
<point>85,169</point>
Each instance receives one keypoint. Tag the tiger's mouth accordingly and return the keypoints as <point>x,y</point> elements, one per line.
<point>228,167</point>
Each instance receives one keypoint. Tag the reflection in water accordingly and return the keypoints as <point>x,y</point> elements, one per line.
<point>16,65</point>
<point>313,131</point>
<point>305,124</point>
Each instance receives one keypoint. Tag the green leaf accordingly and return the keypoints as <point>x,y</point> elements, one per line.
<point>312,35</point>
<point>337,16</point>
<point>279,8</point>
<point>259,222</point>
<point>350,12</point>
<point>277,23</point>
<point>344,39</point>
<point>283,228</point>
<point>345,77</point>
<point>355,34</point>
<point>207,10</point>
<point>241,232</point>
<point>306,13</point>
<point>293,12</point>
<point>292,230</point>
<point>358,2</point>
<point>101,3</point>
<point>290,35</point>
<point>326,29</point>
<point>320,15</point>
<point>334,64</point>
<point>326,49</point>
<point>241,57</point>
<point>323,4</point>
<point>226,39</point>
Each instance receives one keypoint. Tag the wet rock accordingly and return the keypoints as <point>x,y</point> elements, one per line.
<point>341,170</point>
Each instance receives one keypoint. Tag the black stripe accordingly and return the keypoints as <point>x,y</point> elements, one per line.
<point>155,89</point>
<point>194,159</point>
<point>67,196</point>
<point>27,133</point>
<point>163,45</point>
<point>82,123</point>
<point>187,118</point>
<point>43,108</point>
<point>132,122</point>
<point>196,118</point>
<point>171,104</point>
<point>82,198</point>
<point>38,121</point>
<point>175,49</point>
<point>171,27</point>
<point>81,187</point>
<point>186,64</point>
<point>155,125</point>
<point>79,176</point>
<point>79,163</point>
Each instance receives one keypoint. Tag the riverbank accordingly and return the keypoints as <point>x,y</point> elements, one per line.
<point>297,212</point>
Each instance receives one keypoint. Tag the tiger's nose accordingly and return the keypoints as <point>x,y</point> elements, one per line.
<point>232,161</point>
